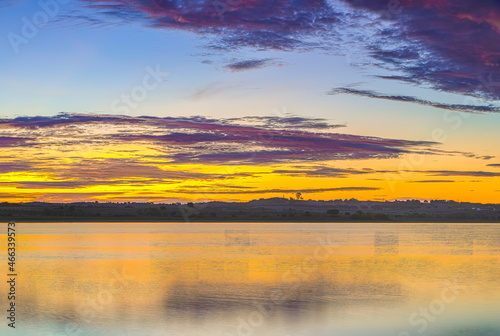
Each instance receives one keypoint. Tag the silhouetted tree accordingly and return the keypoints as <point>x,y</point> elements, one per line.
<point>333,212</point>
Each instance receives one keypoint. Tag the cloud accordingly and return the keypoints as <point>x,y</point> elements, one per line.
<point>120,169</point>
<point>216,143</point>
<point>322,171</point>
<point>447,45</point>
<point>94,153</point>
<point>210,90</point>
<point>460,173</point>
<point>109,171</point>
<point>252,64</point>
<point>16,166</point>
<point>256,140</point>
<point>276,24</point>
<point>410,99</point>
<point>7,141</point>
<point>63,119</point>
<point>494,165</point>
<point>288,122</point>
<point>57,197</point>
<point>11,196</point>
<point>432,181</point>
<point>275,191</point>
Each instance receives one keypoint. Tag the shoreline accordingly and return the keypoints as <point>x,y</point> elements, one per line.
<point>249,221</point>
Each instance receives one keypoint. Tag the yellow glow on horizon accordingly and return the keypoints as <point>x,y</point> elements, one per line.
<point>81,165</point>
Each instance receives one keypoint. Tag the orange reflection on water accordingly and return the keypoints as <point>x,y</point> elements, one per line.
<point>307,273</point>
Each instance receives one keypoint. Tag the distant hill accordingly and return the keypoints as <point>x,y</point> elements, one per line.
<point>261,210</point>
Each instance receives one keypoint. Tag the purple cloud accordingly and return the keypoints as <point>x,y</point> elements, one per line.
<point>252,64</point>
<point>6,141</point>
<point>449,45</point>
<point>63,119</point>
<point>256,140</point>
<point>409,99</point>
<point>276,191</point>
<point>17,166</point>
<point>322,171</point>
<point>277,24</point>
<point>211,142</point>
<point>461,173</point>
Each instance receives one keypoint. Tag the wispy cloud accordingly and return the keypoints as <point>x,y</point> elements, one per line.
<point>433,181</point>
<point>322,171</point>
<point>410,99</point>
<point>63,119</point>
<point>252,64</point>
<point>461,173</point>
<point>15,166</point>
<point>210,90</point>
<point>10,141</point>
<point>288,122</point>
<point>276,191</point>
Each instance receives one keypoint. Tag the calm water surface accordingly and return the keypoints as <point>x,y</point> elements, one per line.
<point>96,279</point>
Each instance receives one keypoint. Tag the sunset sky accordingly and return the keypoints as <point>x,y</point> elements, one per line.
<point>170,100</point>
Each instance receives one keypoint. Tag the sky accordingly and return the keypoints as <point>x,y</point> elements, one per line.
<point>175,101</point>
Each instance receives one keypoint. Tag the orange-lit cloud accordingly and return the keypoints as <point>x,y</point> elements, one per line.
<point>88,157</point>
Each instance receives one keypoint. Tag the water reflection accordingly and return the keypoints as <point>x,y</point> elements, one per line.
<point>255,279</point>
